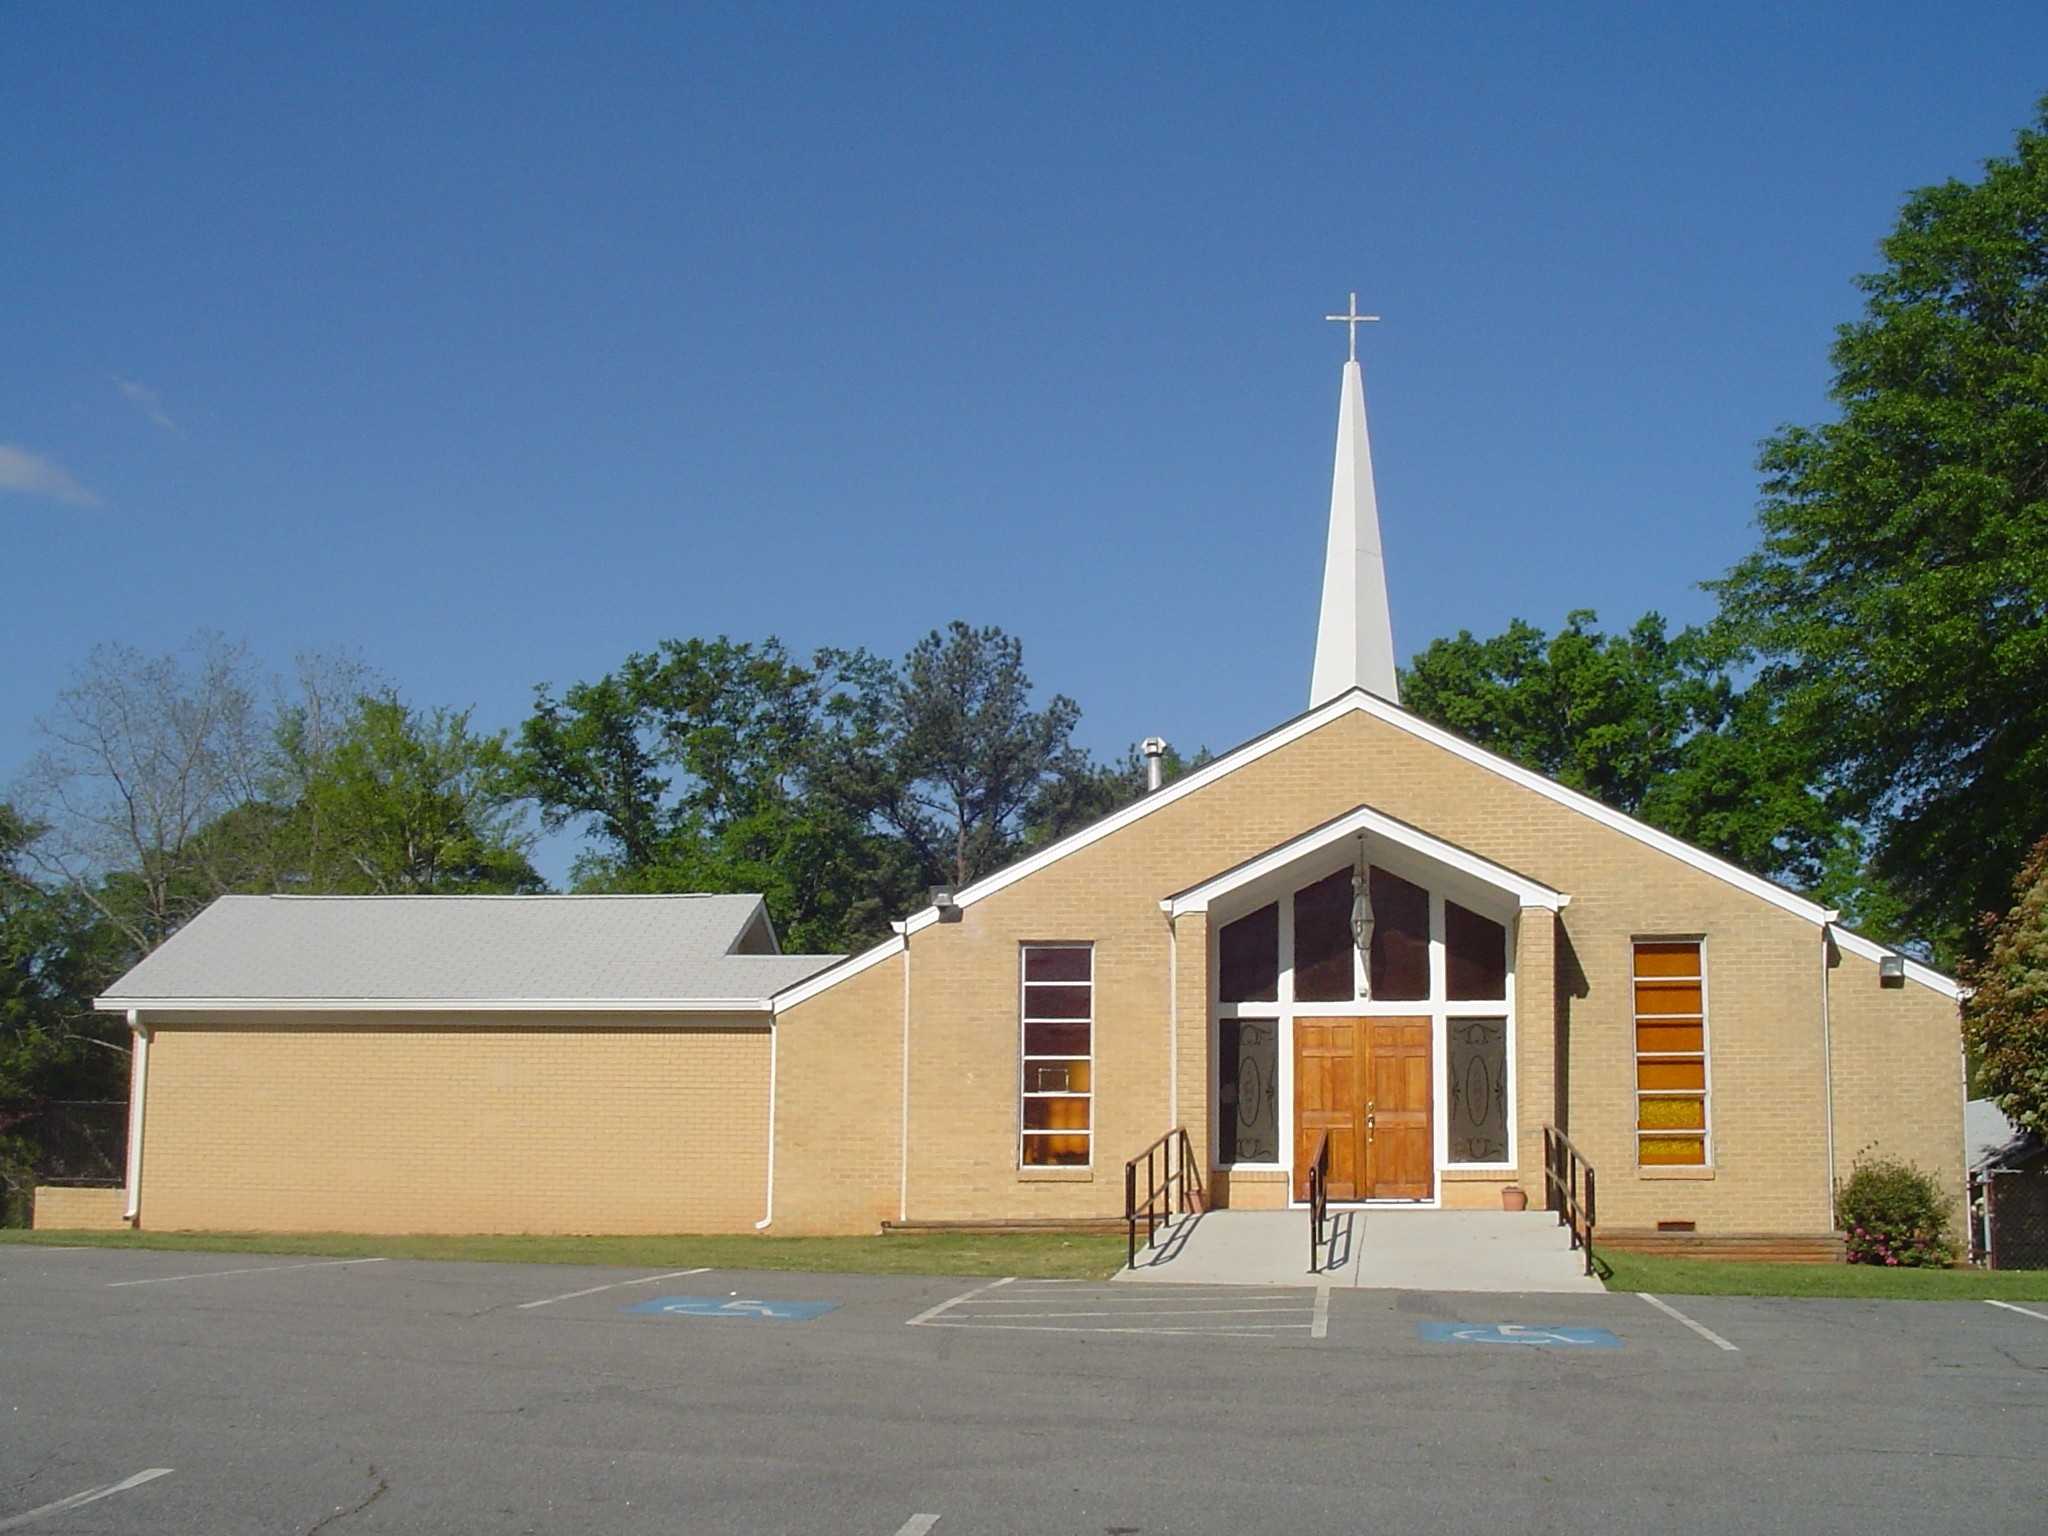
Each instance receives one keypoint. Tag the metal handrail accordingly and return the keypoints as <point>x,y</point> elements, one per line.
<point>1318,1202</point>
<point>1568,1189</point>
<point>1172,1176</point>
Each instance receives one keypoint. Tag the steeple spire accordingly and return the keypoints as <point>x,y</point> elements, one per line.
<point>1355,641</point>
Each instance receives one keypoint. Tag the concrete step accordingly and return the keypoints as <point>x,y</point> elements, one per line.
<point>1371,1249</point>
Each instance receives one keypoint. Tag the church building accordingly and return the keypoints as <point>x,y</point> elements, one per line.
<point>1357,925</point>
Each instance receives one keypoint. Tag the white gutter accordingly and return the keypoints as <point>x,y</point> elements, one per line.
<point>773,1040</point>
<point>274,1005</point>
<point>138,1087</point>
<point>1827,1050</point>
<point>903,1155</point>
<point>1173,1022</point>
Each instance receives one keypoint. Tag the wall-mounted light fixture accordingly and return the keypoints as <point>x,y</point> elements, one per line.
<point>1891,970</point>
<point>1361,917</point>
<point>950,911</point>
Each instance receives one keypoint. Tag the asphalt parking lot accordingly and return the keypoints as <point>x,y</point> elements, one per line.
<point>185,1392</point>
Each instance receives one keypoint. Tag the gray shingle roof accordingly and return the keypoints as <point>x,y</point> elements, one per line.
<point>565,952</point>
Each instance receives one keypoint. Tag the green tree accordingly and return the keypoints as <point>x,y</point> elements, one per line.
<point>56,952</point>
<point>400,801</point>
<point>2005,1013</point>
<point>1898,602</point>
<point>970,759</point>
<point>1651,724</point>
<point>721,765</point>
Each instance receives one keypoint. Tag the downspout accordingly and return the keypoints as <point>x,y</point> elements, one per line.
<point>138,1087</point>
<point>1827,1049</point>
<point>774,1041</point>
<point>903,1133</point>
<point>1172,1021</point>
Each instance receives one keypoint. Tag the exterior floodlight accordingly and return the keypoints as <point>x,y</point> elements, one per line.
<point>949,909</point>
<point>1891,971</point>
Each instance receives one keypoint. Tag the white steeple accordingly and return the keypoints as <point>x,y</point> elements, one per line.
<point>1355,641</point>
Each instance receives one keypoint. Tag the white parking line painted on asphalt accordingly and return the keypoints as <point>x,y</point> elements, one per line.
<point>1319,1326</point>
<point>221,1274</point>
<point>946,1306</point>
<point>1236,1331</point>
<point>1699,1328</point>
<point>616,1285</point>
<point>1133,1312</point>
<point>14,1522</point>
<point>2023,1311</point>
<point>917,1525</point>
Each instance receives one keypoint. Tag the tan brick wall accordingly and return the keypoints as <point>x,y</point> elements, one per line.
<point>479,1125</point>
<point>66,1209</point>
<point>1763,967</point>
<point>839,1106</point>
<point>1898,1063</point>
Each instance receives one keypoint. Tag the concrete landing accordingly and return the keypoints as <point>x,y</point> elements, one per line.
<point>1373,1249</point>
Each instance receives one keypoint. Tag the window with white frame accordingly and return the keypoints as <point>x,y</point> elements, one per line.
<point>1671,1053</point>
<point>1058,1015</point>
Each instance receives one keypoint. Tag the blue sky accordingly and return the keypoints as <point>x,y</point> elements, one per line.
<point>498,342</point>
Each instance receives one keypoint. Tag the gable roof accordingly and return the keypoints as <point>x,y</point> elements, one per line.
<point>668,953</point>
<point>1527,892</point>
<point>1361,702</point>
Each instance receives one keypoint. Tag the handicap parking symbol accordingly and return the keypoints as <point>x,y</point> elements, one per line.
<point>734,1306</point>
<point>1516,1333</point>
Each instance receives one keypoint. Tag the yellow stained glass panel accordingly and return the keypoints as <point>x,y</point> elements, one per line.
<point>1672,1151</point>
<point>1672,1115</point>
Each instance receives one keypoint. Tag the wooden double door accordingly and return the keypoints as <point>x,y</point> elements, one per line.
<point>1366,1082</point>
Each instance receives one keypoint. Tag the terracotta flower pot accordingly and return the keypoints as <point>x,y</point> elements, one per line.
<point>1514,1198</point>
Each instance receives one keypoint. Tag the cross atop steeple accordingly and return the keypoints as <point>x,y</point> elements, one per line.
<point>1354,319</point>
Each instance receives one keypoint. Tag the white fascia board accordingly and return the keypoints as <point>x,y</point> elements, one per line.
<point>117,1004</point>
<point>852,965</point>
<point>1145,805</point>
<point>1926,975</point>
<point>1527,892</point>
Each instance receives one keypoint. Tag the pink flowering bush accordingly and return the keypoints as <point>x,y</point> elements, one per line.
<point>1892,1213</point>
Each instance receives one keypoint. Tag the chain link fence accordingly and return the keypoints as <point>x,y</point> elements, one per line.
<point>77,1142</point>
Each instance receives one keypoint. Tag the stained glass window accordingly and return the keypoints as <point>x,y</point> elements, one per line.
<point>1249,960</point>
<point>1248,1128</point>
<point>1476,1056</point>
<point>1323,968</point>
<point>1671,1054</point>
<point>1059,1068</point>
<point>1475,956</point>
<point>1400,939</point>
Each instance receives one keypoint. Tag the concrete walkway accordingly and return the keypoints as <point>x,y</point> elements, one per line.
<point>1375,1249</point>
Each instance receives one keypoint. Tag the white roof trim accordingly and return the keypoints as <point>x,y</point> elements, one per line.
<point>852,965</point>
<point>1392,714</point>
<point>116,1004</point>
<point>1529,893</point>
<point>1926,975</point>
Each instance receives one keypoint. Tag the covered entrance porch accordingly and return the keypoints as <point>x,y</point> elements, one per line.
<point>1362,993</point>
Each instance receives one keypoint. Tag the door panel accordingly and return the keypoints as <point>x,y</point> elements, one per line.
<point>1401,1145</point>
<point>1366,1082</point>
<point>1326,1099</point>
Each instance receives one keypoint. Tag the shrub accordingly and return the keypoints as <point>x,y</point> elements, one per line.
<point>1892,1213</point>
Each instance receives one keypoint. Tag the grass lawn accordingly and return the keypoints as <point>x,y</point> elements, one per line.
<point>1029,1255</point>
<point>1714,1277</point>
